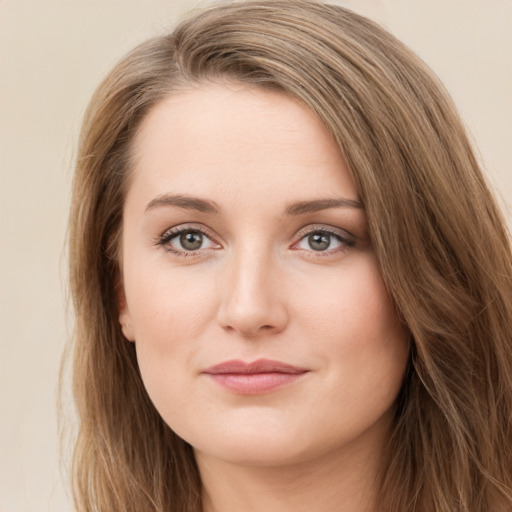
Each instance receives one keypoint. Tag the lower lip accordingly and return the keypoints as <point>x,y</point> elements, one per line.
<point>254,383</point>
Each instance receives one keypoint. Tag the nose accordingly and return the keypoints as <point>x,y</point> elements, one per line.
<point>252,302</point>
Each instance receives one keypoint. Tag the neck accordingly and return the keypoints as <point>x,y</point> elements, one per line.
<point>336,482</point>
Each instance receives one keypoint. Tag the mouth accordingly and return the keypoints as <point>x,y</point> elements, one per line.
<point>258,377</point>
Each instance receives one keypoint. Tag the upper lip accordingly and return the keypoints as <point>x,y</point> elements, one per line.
<point>259,366</point>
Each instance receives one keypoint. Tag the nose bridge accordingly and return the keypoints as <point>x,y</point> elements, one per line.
<point>252,302</point>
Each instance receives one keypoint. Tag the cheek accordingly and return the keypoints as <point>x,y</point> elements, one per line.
<point>169,304</point>
<point>358,330</point>
<point>169,311</point>
<point>353,298</point>
<point>363,348</point>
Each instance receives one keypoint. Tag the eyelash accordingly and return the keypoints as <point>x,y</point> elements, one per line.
<point>346,240</point>
<point>165,239</point>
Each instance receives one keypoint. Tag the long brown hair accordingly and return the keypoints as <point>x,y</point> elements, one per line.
<point>440,240</point>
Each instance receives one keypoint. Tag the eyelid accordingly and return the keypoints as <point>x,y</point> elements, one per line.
<point>347,239</point>
<point>325,228</point>
<point>173,231</point>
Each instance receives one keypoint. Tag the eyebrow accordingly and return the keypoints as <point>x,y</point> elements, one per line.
<point>321,204</point>
<point>206,206</point>
<point>185,202</point>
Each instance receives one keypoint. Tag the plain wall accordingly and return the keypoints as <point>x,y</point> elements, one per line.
<point>52,55</point>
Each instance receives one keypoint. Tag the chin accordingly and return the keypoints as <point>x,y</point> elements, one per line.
<point>255,454</point>
<point>256,446</point>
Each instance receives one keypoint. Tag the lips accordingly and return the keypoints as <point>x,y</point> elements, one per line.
<point>261,376</point>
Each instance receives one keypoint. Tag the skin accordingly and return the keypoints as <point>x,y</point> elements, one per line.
<point>257,288</point>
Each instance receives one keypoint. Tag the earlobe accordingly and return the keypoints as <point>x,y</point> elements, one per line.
<point>126,326</point>
<point>124,313</point>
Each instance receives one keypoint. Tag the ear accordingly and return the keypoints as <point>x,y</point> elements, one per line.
<point>125,318</point>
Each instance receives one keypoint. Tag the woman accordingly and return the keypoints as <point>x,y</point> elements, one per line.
<point>291,283</point>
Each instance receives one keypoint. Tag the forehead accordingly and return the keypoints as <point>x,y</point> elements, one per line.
<point>235,137</point>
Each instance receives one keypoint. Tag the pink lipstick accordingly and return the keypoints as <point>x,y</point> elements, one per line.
<point>254,378</point>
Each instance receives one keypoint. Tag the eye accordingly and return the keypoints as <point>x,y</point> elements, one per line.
<point>184,241</point>
<point>324,241</point>
<point>319,241</point>
<point>189,240</point>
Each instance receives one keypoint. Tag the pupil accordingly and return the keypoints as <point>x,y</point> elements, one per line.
<point>319,241</point>
<point>191,240</point>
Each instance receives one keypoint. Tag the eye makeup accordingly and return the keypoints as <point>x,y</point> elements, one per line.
<point>320,240</point>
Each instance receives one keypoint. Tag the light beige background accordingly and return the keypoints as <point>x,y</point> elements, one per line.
<point>52,54</point>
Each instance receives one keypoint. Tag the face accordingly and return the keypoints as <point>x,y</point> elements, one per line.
<point>263,330</point>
